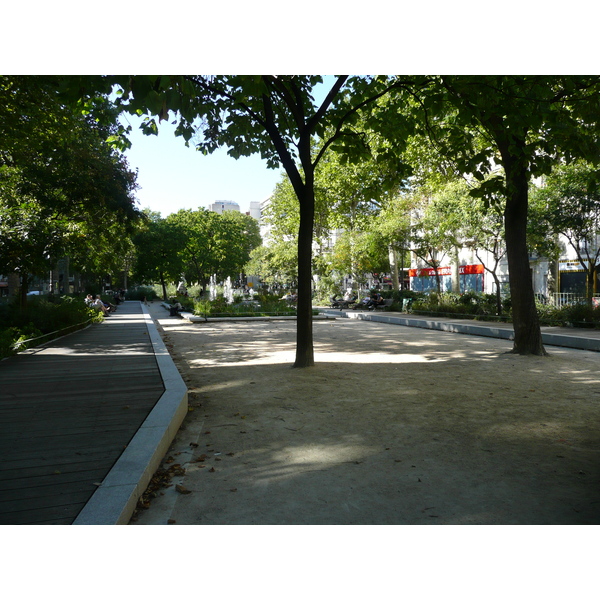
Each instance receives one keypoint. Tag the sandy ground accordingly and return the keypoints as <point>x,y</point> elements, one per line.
<point>394,425</point>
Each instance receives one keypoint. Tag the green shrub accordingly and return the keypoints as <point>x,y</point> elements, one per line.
<point>40,316</point>
<point>572,315</point>
<point>140,292</point>
<point>474,305</point>
<point>8,338</point>
<point>583,315</point>
<point>483,306</point>
<point>265,304</point>
<point>11,339</point>
<point>202,307</point>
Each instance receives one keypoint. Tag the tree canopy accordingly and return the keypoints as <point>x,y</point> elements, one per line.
<point>570,196</point>
<point>209,243</point>
<point>523,124</point>
<point>61,182</point>
<point>275,116</point>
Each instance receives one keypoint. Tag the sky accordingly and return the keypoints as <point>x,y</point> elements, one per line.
<point>173,176</point>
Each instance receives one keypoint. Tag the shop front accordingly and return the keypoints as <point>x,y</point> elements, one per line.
<point>470,279</point>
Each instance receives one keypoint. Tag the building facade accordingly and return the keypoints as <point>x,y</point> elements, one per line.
<point>222,205</point>
<point>564,279</point>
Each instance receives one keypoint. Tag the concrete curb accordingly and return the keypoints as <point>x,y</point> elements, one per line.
<point>465,328</point>
<point>195,319</point>
<point>115,499</point>
<point>571,341</point>
<point>565,340</point>
<point>192,318</point>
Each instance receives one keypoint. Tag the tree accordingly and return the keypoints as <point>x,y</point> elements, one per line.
<point>358,252</point>
<point>277,117</point>
<point>30,238</point>
<point>439,222</point>
<point>62,152</point>
<point>241,236</point>
<point>158,244</point>
<point>101,248</point>
<point>275,264</point>
<point>528,122</point>
<point>394,223</point>
<point>571,197</point>
<point>485,232</point>
<point>214,244</point>
<point>353,196</point>
<point>347,198</point>
<point>59,179</point>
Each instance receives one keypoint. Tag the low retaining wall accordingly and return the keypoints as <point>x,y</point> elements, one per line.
<point>115,500</point>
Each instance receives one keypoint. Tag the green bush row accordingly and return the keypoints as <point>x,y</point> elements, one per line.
<point>40,316</point>
<point>483,307</point>
<point>266,304</point>
<point>472,304</point>
<point>572,315</point>
<point>140,292</point>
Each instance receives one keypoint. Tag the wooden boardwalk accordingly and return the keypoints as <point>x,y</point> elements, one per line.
<point>67,411</point>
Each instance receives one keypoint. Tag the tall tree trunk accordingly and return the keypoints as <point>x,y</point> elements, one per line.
<point>14,284</point>
<point>66,277</point>
<point>498,294</point>
<point>304,334</point>
<point>394,267</point>
<point>455,271</point>
<point>528,337</point>
<point>438,280</point>
<point>163,283</point>
<point>590,279</point>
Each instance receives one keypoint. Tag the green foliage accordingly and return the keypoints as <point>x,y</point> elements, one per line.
<point>282,213</point>
<point>13,339</point>
<point>158,244</point>
<point>359,253</point>
<point>202,307</point>
<point>444,217</point>
<point>61,183</point>
<point>574,315</point>
<point>326,287</point>
<point>212,244</point>
<point>275,264</point>
<point>471,304</point>
<point>40,317</point>
<point>479,306</point>
<point>140,292</point>
<point>570,197</point>
<point>263,305</point>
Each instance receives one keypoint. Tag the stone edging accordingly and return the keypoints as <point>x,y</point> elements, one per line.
<point>115,499</point>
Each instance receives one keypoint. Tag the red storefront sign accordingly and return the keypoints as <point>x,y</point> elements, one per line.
<point>462,270</point>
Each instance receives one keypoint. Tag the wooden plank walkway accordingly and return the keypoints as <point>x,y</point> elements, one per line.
<point>67,411</point>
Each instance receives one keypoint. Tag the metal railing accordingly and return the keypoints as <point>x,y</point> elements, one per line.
<point>565,299</point>
<point>25,344</point>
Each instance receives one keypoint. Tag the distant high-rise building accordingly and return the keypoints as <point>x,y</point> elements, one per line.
<point>264,228</point>
<point>222,205</point>
<point>255,210</point>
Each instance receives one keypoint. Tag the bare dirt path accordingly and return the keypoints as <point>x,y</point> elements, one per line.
<point>394,425</point>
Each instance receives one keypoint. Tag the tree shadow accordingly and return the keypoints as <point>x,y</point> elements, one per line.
<point>382,434</point>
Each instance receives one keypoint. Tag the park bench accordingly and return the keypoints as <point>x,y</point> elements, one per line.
<point>387,303</point>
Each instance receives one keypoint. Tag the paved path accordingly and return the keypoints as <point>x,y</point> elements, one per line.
<point>85,420</point>
<point>568,337</point>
